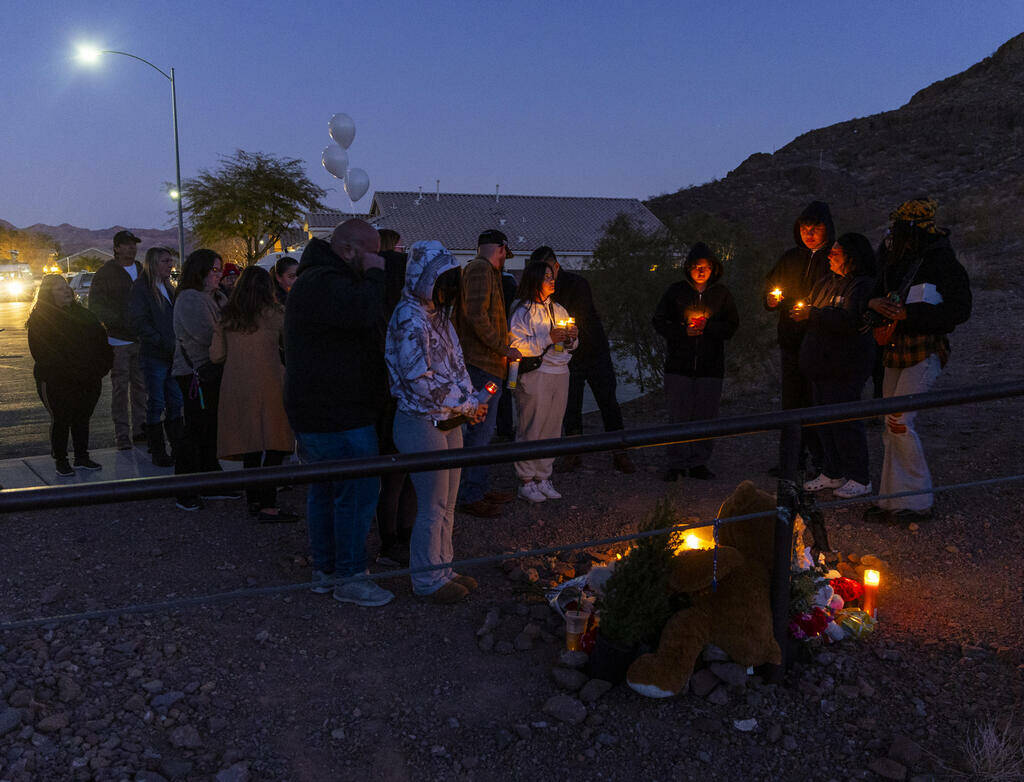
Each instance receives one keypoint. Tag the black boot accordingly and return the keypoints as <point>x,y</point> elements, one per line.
<point>175,435</point>
<point>155,436</point>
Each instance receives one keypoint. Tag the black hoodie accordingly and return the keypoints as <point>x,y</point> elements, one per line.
<point>796,272</point>
<point>334,325</point>
<point>702,356</point>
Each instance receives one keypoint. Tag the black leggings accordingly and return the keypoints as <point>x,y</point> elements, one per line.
<point>70,405</point>
<point>265,496</point>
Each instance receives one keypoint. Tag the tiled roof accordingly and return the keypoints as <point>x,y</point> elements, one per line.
<point>568,224</point>
<point>329,219</point>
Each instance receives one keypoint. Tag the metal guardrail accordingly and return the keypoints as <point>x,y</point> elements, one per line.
<point>102,492</point>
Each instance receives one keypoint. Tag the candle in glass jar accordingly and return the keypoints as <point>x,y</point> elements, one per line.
<point>871,580</point>
<point>558,345</point>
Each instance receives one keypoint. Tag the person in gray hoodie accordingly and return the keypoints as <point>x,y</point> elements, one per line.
<point>431,386</point>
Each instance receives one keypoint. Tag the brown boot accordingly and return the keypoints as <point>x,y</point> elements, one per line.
<point>452,592</point>
<point>623,463</point>
<point>468,582</point>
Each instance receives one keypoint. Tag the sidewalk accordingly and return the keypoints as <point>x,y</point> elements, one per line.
<point>35,471</point>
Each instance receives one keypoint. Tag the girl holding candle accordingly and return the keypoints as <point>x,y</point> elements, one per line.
<point>696,316</point>
<point>430,383</point>
<point>540,395</point>
<point>838,358</point>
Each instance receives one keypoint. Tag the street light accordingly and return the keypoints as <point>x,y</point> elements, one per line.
<point>90,55</point>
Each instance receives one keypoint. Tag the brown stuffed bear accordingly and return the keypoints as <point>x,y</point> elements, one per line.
<point>736,617</point>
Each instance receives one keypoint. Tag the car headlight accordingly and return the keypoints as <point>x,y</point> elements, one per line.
<point>15,288</point>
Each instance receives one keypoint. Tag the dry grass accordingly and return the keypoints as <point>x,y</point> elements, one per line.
<point>995,754</point>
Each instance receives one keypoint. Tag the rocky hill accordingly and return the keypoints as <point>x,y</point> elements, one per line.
<point>960,140</point>
<point>72,238</point>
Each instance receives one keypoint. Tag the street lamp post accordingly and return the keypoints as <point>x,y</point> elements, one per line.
<point>90,54</point>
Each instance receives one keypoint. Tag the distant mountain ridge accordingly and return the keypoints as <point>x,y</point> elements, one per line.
<point>959,140</point>
<point>72,238</point>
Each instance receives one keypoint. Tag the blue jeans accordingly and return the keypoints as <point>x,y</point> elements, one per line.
<point>339,513</point>
<point>161,390</point>
<point>474,479</point>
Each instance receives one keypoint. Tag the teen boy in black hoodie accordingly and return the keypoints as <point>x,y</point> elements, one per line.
<point>788,285</point>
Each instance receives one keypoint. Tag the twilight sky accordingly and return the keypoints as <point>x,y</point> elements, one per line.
<point>599,98</point>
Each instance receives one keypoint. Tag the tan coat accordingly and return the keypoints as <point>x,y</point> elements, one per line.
<point>251,415</point>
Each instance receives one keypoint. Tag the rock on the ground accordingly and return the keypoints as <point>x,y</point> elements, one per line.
<point>9,720</point>
<point>702,682</point>
<point>239,772</point>
<point>905,751</point>
<point>568,659</point>
<point>730,673</point>
<point>185,736</point>
<point>718,696</point>
<point>887,768</point>
<point>568,679</point>
<point>566,709</point>
<point>594,689</point>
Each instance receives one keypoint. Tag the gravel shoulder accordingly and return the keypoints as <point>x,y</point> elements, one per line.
<point>298,687</point>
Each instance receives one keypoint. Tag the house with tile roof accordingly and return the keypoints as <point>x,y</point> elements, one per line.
<point>572,226</point>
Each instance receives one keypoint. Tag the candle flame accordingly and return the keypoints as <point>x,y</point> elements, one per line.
<point>871,578</point>
<point>692,542</point>
<point>777,292</point>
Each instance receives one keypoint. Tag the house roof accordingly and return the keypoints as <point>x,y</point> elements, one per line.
<point>330,218</point>
<point>95,252</point>
<point>566,223</point>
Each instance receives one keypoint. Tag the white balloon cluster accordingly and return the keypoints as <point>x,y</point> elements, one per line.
<point>335,157</point>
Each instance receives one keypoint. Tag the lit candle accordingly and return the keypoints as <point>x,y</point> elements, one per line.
<point>799,305</point>
<point>558,345</point>
<point>775,296</point>
<point>871,579</point>
<point>693,542</point>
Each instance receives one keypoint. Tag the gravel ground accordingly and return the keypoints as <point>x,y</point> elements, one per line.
<point>298,687</point>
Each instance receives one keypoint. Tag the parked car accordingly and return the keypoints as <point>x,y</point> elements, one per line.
<point>80,285</point>
<point>17,282</point>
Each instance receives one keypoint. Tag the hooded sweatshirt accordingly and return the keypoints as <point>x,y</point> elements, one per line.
<point>833,347</point>
<point>796,272</point>
<point>335,378</point>
<point>68,344</point>
<point>702,356</point>
<point>424,358</point>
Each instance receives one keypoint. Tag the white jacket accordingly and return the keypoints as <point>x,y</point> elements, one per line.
<point>530,333</point>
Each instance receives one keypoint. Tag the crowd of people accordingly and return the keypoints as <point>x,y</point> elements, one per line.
<point>359,349</point>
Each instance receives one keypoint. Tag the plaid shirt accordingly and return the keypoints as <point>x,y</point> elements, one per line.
<point>906,350</point>
<point>481,321</point>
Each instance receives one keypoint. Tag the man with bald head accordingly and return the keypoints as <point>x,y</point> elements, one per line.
<point>335,390</point>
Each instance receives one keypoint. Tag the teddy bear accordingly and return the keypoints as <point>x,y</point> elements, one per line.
<point>736,616</point>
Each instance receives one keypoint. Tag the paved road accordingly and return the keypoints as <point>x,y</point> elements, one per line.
<point>24,423</point>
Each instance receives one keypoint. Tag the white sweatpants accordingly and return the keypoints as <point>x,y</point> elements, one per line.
<point>540,400</point>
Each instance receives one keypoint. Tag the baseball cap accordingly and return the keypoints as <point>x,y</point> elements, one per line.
<point>123,237</point>
<point>230,270</point>
<point>494,236</point>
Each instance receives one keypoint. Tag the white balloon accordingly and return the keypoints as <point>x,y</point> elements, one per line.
<point>357,182</point>
<point>335,160</point>
<point>342,130</point>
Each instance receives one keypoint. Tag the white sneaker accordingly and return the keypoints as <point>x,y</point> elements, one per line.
<point>548,490</point>
<point>823,482</point>
<point>363,593</point>
<point>853,489</point>
<point>531,493</point>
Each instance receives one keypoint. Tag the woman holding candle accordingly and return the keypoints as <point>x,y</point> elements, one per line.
<point>696,316</point>
<point>69,346</point>
<point>430,384</point>
<point>540,327</point>
<point>252,426</point>
<point>838,358</point>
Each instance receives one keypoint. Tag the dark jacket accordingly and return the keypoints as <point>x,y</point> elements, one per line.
<point>108,298</point>
<point>151,317</point>
<point>334,329</point>
<point>941,268</point>
<point>796,272</point>
<point>280,294</point>
<point>573,292</point>
<point>702,356</point>
<point>69,345</point>
<point>394,278</point>
<point>833,346</point>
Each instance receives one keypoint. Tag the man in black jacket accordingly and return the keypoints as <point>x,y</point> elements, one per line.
<point>335,390</point>
<point>787,286</point>
<point>108,300</point>
<point>591,362</point>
